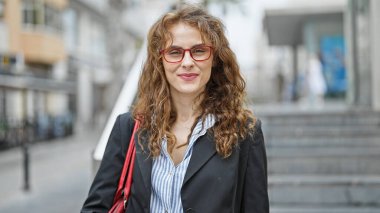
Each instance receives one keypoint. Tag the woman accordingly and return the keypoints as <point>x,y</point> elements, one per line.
<point>198,149</point>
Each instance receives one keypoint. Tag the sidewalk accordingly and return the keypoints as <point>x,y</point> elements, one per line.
<point>60,176</point>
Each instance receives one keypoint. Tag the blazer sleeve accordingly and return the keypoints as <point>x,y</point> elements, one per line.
<point>255,198</point>
<point>104,185</point>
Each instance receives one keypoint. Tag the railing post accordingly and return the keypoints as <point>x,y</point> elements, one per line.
<point>26,170</point>
<point>25,139</point>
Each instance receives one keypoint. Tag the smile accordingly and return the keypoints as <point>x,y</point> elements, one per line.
<point>188,76</point>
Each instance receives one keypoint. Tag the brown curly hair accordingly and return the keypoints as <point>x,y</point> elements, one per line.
<point>223,96</point>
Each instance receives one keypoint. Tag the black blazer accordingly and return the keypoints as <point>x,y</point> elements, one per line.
<point>211,184</point>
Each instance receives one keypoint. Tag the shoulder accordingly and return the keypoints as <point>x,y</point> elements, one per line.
<point>127,116</point>
<point>255,135</point>
<point>257,127</point>
<point>124,123</point>
<point>125,119</point>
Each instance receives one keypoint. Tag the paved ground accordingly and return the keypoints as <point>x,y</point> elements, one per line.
<point>60,176</point>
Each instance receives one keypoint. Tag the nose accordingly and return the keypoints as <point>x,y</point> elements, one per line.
<point>187,60</point>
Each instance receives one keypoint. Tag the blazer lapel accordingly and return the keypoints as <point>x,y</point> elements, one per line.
<point>144,163</point>
<point>203,150</point>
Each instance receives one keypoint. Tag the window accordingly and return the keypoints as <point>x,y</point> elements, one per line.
<point>53,18</point>
<point>38,14</point>
<point>33,12</point>
<point>2,8</point>
<point>70,25</point>
<point>27,12</point>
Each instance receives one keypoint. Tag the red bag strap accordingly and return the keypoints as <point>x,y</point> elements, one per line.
<point>125,186</point>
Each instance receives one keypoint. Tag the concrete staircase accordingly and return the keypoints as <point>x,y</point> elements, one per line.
<point>323,161</point>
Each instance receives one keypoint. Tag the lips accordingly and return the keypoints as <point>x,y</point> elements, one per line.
<point>188,76</point>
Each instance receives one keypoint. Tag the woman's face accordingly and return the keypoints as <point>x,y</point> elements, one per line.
<point>187,77</point>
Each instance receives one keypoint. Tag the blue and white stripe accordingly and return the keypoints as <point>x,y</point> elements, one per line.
<point>167,178</point>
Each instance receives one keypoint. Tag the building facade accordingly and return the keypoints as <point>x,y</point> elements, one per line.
<point>344,34</point>
<point>34,88</point>
<point>85,38</point>
<point>309,32</point>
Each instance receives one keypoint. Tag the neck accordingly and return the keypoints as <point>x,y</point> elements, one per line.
<point>187,107</point>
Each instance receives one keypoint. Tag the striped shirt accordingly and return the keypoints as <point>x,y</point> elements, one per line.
<point>167,178</point>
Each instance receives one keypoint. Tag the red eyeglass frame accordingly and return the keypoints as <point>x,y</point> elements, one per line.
<point>184,51</point>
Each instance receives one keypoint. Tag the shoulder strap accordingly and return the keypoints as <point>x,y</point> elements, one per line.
<point>124,186</point>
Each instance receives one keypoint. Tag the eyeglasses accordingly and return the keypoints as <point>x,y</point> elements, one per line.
<point>176,54</point>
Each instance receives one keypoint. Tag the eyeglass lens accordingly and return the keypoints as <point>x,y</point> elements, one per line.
<point>198,53</point>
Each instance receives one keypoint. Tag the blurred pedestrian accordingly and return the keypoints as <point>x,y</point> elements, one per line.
<point>316,81</point>
<point>199,149</point>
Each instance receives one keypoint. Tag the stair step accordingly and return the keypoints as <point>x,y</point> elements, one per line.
<point>290,131</point>
<point>328,160</point>
<point>287,209</point>
<point>297,152</point>
<point>313,190</point>
<point>299,142</point>
<point>318,118</point>
<point>298,180</point>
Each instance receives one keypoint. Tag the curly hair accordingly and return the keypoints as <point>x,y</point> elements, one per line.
<point>223,96</point>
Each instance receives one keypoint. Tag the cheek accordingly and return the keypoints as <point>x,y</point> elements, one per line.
<point>169,73</point>
<point>166,69</point>
<point>169,68</point>
<point>208,71</point>
<point>208,77</point>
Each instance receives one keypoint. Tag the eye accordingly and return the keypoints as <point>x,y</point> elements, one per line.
<point>174,52</point>
<point>199,50</point>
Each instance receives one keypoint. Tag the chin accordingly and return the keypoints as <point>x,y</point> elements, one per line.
<point>189,91</point>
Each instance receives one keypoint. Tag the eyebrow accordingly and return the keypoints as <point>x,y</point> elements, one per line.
<point>196,45</point>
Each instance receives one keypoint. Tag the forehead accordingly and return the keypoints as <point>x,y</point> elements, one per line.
<point>184,35</point>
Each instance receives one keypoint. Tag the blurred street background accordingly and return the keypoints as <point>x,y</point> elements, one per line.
<point>68,67</point>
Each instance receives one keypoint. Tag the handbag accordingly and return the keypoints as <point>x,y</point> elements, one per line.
<point>124,187</point>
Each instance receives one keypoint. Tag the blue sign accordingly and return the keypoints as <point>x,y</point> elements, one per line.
<point>334,69</point>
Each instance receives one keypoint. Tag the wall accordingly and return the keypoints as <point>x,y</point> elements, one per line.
<point>13,23</point>
<point>57,3</point>
<point>42,47</point>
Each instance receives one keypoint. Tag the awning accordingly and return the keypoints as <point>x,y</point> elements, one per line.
<point>284,26</point>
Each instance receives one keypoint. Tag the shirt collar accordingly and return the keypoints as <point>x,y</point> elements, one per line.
<point>200,129</point>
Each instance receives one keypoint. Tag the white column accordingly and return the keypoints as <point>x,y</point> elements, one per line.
<point>375,52</point>
<point>14,105</point>
<point>30,108</point>
<point>349,36</point>
<point>85,96</point>
<point>58,103</point>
